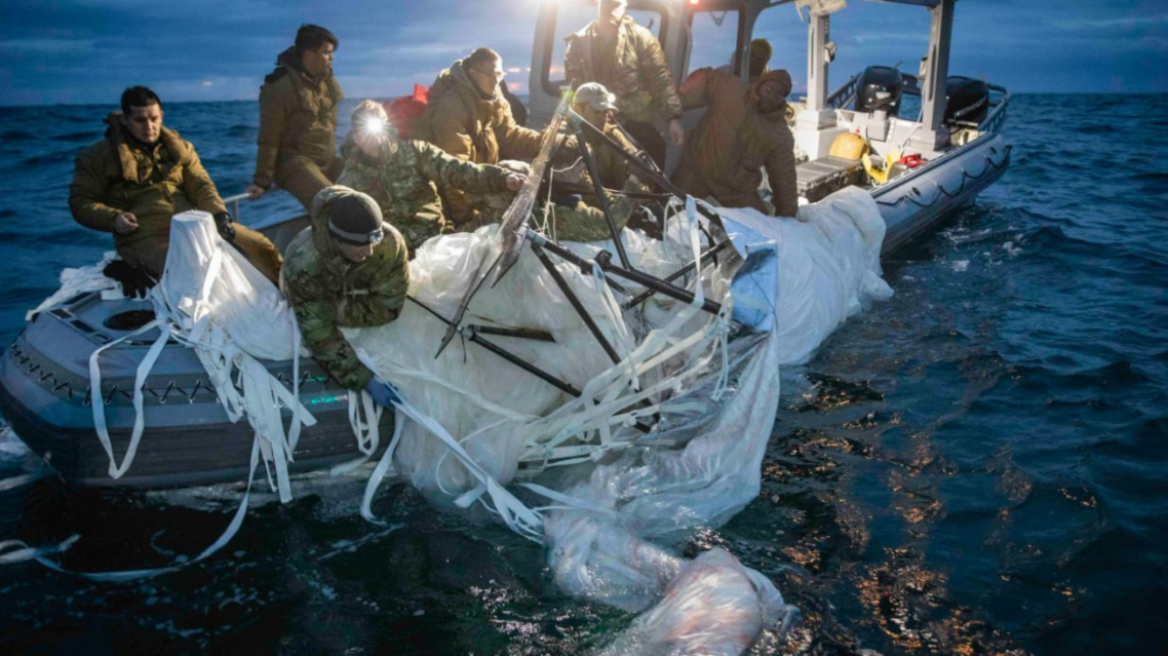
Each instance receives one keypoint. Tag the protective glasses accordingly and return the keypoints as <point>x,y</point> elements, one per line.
<point>374,237</point>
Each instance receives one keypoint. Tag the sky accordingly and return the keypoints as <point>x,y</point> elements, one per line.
<point>87,51</point>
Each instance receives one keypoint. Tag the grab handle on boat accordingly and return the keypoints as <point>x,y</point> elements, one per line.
<point>232,203</point>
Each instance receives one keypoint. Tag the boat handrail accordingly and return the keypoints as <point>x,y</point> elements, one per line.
<point>843,95</point>
<point>232,203</point>
<point>993,121</point>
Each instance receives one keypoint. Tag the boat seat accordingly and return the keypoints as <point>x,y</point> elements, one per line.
<point>823,176</point>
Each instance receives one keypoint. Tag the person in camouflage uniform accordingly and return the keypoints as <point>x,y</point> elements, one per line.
<point>580,217</point>
<point>401,175</point>
<point>349,269</point>
<point>133,181</point>
<point>298,119</point>
<point>628,60</point>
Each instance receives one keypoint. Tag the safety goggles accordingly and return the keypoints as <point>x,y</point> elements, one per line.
<point>356,238</point>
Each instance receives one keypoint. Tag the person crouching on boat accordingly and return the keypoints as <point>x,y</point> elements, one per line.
<point>350,269</point>
<point>578,214</point>
<point>402,175</point>
<point>139,176</point>
<point>743,131</point>
<point>298,119</point>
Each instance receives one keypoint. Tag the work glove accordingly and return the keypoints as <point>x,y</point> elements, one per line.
<point>135,282</point>
<point>383,393</point>
<point>223,223</point>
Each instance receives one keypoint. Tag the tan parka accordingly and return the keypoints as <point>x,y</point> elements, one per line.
<point>634,70</point>
<point>119,174</point>
<point>298,117</point>
<point>461,121</point>
<point>727,152</point>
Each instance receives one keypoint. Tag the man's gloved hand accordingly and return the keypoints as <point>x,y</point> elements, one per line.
<point>135,282</point>
<point>223,223</point>
<point>383,393</point>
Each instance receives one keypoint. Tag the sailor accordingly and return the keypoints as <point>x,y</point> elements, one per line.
<point>743,132</point>
<point>350,269</point>
<point>468,117</point>
<point>298,119</point>
<point>627,59</point>
<point>760,56</point>
<point>401,175</point>
<point>135,179</point>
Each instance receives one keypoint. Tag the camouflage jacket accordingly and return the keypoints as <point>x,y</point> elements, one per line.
<point>402,180</point>
<point>613,169</point>
<point>119,174</point>
<point>635,70</point>
<point>733,143</point>
<point>298,116</point>
<point>328,291</point>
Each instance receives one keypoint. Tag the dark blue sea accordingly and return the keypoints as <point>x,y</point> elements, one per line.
<point>977,466</point>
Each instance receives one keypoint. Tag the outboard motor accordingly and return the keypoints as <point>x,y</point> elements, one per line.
<point>879,88</point>
<point>967,101</point>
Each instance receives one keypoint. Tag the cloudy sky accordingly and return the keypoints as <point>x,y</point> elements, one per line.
<point>87,51</point>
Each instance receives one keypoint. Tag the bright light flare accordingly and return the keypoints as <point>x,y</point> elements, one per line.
<point>374,125</point>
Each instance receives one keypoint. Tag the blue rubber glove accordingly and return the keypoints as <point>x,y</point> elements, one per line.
<point>383,393</point>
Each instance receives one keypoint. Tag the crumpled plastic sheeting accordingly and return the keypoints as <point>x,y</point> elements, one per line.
<point>830,262</point>
<point>826,265</point>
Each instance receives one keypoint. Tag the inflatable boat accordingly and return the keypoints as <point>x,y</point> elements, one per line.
<point>916,171</point>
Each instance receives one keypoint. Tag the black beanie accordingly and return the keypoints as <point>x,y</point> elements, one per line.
<point>354,217</point>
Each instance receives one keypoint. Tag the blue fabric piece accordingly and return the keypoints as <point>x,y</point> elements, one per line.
<point>383,393</point>
<point>756,283</point>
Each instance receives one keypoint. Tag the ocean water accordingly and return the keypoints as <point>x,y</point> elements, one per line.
<point>976,466</point>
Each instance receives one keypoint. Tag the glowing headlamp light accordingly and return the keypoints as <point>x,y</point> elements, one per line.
<point>374,125</point>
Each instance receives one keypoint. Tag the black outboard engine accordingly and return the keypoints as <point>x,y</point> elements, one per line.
<point>879,87</point>
<point>967,101</point>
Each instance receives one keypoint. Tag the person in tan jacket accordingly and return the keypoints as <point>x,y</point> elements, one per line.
<point>468,117</point>
<point>139,176</point>
<point>298,119</point>
<point>628,60</point>
<point>743,132</point>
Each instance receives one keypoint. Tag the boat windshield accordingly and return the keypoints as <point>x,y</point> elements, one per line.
<point>717,39</point>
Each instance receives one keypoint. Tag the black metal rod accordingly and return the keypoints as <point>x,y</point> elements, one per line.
<point>643,279</point>
<point>505,354</point>
<point>651,171</point>
<point>639,298</point>
<point>576,304</point>
<point>598,187</point>
<point>521,333</point>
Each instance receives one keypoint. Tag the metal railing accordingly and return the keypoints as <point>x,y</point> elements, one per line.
<point>232,203</point>
<point>993,121</point>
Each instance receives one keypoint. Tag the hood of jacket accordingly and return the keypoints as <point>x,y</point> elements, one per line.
<point>123,143</point>
<point>330,255</point>
<point>459,75</point>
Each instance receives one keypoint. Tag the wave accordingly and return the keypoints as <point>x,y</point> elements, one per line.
<point>78,136</point>
<point>18,135</point>
<point>240,131</point>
